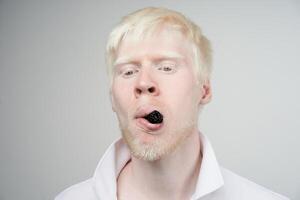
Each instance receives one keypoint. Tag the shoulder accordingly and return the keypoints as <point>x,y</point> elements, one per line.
<point>246,189</point>
<point>80,191</point>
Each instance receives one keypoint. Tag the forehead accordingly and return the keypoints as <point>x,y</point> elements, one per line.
<point>162,43</point>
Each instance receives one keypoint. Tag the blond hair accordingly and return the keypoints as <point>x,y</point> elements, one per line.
<point>144,22</point>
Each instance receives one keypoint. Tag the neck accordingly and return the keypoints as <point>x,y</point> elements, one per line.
<point>171,177</point>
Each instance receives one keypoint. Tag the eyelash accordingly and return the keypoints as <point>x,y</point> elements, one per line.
<point>125,72</point>
<point>165,67</point>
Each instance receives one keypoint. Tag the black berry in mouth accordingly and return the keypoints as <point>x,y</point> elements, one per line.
<point>154,117</point>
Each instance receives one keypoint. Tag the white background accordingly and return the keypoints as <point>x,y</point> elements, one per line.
<point>55,115</point>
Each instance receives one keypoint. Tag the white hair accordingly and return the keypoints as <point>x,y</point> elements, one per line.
<point>144,22</point>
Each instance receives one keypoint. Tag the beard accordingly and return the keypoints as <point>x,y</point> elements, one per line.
<point>159,145</point>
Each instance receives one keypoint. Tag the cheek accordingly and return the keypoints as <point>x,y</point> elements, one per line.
<point>186,91</point>
<point>119,98</point>
<point>184,101</point>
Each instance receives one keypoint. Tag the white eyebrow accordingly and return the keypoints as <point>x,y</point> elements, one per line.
<point>161,56</point>
<point>122,60</point>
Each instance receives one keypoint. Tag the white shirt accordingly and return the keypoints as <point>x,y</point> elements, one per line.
<point>214,182</point>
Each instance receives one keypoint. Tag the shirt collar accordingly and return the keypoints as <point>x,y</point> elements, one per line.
<point>118,154</point>
<point>210,177</point>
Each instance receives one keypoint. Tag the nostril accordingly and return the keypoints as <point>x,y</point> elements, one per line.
<point>151,89</point>
<point>145,90</point>
<point>138,91</point>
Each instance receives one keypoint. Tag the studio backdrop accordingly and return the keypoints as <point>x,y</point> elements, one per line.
<point>55,113</point>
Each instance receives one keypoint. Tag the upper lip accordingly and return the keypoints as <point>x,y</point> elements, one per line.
<point>144,110</point>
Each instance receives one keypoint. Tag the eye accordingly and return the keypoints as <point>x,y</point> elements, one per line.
<point>128,72</point>
<point>167,67</point>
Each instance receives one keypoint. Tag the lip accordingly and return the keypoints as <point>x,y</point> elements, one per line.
<point>142,122</point>
<point>145,110</point>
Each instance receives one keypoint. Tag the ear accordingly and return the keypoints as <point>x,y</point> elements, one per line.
<point>206,93</point>
<point>112,101</point>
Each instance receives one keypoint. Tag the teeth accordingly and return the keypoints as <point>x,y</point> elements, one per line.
<point>154,117</point>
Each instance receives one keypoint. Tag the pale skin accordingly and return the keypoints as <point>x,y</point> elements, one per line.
<point>157,72</point>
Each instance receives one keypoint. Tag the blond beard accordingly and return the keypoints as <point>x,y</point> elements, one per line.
<point>160,146</point>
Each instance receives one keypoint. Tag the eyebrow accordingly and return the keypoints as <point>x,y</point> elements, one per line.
<point>162,56</point>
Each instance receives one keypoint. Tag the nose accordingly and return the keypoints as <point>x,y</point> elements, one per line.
<point>145,85</point>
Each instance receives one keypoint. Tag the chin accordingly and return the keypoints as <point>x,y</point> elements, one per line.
<point>152,147</point>
<point>143,145</point>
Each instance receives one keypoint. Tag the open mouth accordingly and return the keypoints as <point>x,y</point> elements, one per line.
<point>150,119</point>
<point>155,117</point>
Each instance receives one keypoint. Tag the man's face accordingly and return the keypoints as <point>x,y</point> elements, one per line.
<point>156,73</point>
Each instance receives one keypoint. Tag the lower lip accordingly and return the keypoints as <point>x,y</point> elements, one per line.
<point>143,123</point>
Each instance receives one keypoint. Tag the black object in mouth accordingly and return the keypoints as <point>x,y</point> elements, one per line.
<point>154,117</point>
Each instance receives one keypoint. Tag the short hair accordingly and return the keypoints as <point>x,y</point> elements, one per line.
<point>145,21</point>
